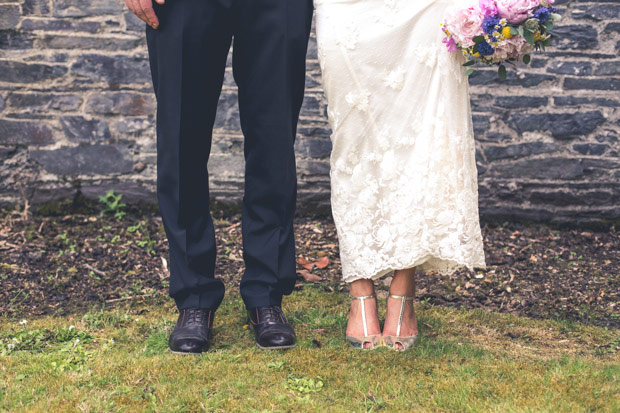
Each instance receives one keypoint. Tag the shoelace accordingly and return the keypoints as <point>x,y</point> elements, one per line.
<point>272,315</point>
<point>196,316</point>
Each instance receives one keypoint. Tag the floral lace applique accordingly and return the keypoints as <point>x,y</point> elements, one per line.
<point>360,100</point>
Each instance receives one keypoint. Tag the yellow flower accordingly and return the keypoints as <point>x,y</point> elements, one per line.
<point>506,32</point>
<point>537,36</point>
<point>477,54</point>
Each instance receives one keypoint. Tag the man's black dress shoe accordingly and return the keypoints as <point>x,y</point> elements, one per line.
<point>192,332</point>
<point>271,328</point>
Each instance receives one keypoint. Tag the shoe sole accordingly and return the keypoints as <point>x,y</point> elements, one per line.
<point>275,347</point>
<point>185,353</point>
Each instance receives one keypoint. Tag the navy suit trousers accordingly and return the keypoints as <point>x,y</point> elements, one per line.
<point>188,54</point>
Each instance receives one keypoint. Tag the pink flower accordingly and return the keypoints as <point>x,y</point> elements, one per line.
<point>488,7</point>
<point>516,11</point>
<point>464,24</point>
<point>512,48</point>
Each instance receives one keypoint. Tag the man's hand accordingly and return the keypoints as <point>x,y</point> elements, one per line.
<point>144,10</point>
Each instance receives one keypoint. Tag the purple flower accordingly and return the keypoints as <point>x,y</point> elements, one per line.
<point>489,23</point>
<point>450,43</point>
<point>488,7</point>
<point>485,49</point>
<point>542,14</point>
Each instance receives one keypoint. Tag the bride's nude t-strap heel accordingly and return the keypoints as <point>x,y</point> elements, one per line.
<point>405,342</point>
<point>361,342</point>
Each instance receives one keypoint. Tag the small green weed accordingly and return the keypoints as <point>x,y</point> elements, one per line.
<point>112,204</point>
<point>304,385</point>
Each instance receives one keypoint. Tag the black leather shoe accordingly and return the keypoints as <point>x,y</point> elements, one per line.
<point>192,332</point>
<point>271,328</point>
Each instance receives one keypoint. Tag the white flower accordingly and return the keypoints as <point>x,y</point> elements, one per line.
<point>23,322</point>
<point>349,35</point>
<point>110,341</point>
<point>71,328</point>
<point>10,346</point>
<point>359,100</point>
<point>395,78</point>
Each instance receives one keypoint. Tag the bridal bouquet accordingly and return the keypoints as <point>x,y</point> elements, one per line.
<point>496,32</point>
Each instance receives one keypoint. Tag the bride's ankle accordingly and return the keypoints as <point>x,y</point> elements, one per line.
<point>403,283</point>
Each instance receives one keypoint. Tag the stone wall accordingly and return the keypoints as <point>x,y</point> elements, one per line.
<point>77,114</point>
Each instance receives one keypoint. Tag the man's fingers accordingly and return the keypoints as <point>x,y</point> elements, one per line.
<point>160,2</point>
<point>147,9</point>
<point>135,8</point>
<point>131,4</point>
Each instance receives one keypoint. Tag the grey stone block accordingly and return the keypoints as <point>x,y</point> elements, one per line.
<point>557,198</point>
<point>85,43</point>
<point>121,103</point>
<point>85,8</point>
<point>314,131</point>
<point>36,7</point>
<point>85,160</point>
<point>518,150</point>
<point>590,148</point>
<point>488,77</point>
<point>78,129</point>
<point>514,102</point>
<point>307,167</point>
<point>6,152</point>
<point>43,102</point>
<point>575,37</point>
<point>227,113</point>
<point>133,23</point>
<point>570,68</point>
<point>113,68</point>
<point>17,72</point>
<point>24,133</point>
<point>542,169</point>
<point>580,101</point>
<point>9,16</point>
<point>608,69</point>
<point>60,25</point>
<point>561,125</point>
<point>313,148</point>
<point>481,124</point>
<point>592,84</point>
<point>312,107</point>
<point>12,40</point>
<point>612,27</point>
<point>226,165</point>
<point>597,13</point>
<point>130,126</point>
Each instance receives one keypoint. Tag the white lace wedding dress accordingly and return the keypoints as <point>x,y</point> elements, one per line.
<point>403,170</point>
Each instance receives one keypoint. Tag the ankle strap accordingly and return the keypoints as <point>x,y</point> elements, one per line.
<point>366,297</point>
<point>403,297</point>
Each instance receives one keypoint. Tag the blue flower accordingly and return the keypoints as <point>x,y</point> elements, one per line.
<point>485,49</point>
<point>542,14</point>
<point>489,23</point>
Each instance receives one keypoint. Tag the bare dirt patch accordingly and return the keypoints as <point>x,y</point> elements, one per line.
<point>65,263</point>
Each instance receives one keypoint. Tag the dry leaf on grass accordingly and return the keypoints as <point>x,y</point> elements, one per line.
<point>309,265</point>
<point>309,277</point>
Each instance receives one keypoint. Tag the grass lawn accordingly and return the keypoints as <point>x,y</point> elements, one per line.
<point>115,359</point>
